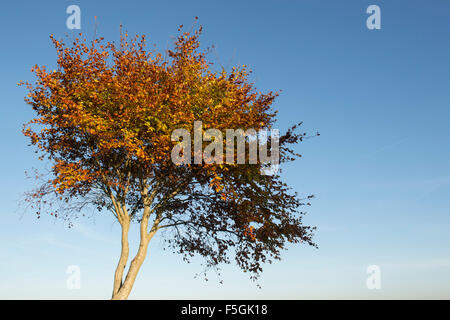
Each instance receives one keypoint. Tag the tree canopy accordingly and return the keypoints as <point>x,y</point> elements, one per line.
<point>104,120</point>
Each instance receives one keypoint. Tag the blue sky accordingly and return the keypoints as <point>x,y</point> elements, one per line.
<point>380,169</point>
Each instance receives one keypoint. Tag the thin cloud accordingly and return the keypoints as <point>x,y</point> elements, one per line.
<point>91,234</point>
<point>420,264</point>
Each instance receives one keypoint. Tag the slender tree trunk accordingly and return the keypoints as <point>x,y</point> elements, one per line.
<point>136,263</point>
<point>118,276</point>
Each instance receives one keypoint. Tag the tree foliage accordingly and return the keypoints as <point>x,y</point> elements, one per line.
<point>104,120</point>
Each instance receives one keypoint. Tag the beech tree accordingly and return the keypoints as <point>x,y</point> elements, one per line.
<point>104,119</point>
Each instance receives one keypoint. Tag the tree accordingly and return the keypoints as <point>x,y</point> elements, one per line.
<point>105,119</point>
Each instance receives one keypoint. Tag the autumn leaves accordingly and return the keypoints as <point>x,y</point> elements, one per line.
<point>105,97</point>
<point>169,138</point>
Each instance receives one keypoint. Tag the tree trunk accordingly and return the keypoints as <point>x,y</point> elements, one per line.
<point>118,276</point>
<point>136,263</point>
<point>125,288</point>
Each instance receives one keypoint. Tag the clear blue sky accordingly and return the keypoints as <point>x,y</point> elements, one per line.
<point>380,169</point>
